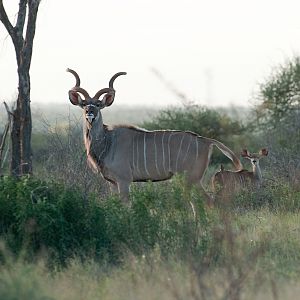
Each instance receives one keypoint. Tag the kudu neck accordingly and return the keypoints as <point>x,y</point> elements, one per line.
<point>94,131</point>
<point>257,172</point>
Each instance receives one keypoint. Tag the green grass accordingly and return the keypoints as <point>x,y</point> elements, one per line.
<point>57,246</point>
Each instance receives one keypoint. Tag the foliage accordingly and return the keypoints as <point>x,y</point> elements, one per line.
<point>59,155</point>
<point>260,258</point>
<point>47,217</point>
<point>279,95</point>
<point>275,194</point>
<point>220,253</point>
<point>201,120</point>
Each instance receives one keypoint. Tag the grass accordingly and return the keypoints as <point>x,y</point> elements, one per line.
<point>55,246</point>
<point>271,239</point>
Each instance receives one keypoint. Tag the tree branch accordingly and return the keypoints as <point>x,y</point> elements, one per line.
<point>21,18</point>
<point>4,19</point>
<point>30,31</point>
<point>9,113</point>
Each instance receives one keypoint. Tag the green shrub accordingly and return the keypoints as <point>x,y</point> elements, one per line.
<point>275,195</point>
<point>39,217</point>
<point>279,95</point>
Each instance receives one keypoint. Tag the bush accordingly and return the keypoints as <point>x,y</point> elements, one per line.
<point>47,217</point>
<point>279,95</point>
<point>275,195</point>
<point>201,120</point>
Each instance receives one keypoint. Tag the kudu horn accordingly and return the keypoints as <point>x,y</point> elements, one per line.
<point>77,87</point>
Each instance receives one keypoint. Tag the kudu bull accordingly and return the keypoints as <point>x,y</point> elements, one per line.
<point>227,183</point>
<point>125,154</point>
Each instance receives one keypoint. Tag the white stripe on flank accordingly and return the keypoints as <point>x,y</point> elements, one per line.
<point>163,152</point>
<point>183,135</point>
<point>188,148</point>
<point>145,156</point>
<point>155,155</point>
<point>169,150</point>
<point>133,164</point>
<point>196,148</point>
<point>137,156</point>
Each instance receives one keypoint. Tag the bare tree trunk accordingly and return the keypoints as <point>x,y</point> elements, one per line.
<point>21,160</point>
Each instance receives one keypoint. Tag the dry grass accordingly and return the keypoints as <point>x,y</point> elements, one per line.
<point>259,259</point>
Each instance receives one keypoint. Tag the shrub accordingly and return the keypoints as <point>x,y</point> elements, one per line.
<point>47,217</point>
<point>275,195</point>
<point>279,95</point>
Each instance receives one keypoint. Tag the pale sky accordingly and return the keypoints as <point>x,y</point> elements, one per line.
<point>214,51</point>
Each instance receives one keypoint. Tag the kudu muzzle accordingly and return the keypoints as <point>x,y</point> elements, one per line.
<point>90,117</point>
<point>91,113</point>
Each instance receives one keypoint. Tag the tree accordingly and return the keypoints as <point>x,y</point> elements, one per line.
<point>279,96</point>
<point>21,159</point>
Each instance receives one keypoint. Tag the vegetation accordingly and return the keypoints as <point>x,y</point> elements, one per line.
<point>63,237</point>
<point>57,239</point>
<point>279,95</point>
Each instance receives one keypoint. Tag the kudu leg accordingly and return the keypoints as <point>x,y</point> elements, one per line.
<point>208,198</point>
<point>123,188</point>
<point>113,188</point>
<point>199,185</point>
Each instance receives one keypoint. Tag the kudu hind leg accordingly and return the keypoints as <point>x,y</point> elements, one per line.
<point>208,198</point>
<point>199,185</point>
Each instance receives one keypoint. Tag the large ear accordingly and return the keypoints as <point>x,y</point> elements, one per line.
<point>108,98</point>
<point>263,152</point>
<point>245,153</point>
<point>75,98</point>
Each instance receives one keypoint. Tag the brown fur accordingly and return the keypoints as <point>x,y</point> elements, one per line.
<point>227,183</point>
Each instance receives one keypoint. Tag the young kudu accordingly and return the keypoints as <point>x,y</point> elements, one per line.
<point>125,154</point>
<point>228,183</point>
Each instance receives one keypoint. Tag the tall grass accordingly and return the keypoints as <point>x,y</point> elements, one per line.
<point>155,248</point>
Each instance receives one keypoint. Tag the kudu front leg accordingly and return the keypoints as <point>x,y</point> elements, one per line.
<point>123,188</point>
<point>113,188</point>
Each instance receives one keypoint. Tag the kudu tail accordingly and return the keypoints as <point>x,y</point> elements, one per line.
<point>227,152</point>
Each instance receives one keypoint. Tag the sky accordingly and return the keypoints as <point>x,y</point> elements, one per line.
<point>215,52</point>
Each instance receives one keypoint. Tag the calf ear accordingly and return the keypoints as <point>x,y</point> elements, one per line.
<point>75,98</point>
<point>108,99</point>
<point>245,153</point>
<point>264,152</point>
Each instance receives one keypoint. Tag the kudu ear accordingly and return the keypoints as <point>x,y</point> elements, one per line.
<point>263,152</point>
<point>75,98</point>
<point>108,99</point>
<point>245,153</point>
